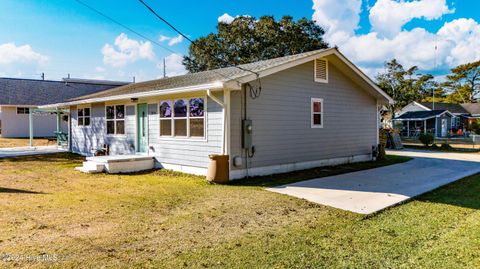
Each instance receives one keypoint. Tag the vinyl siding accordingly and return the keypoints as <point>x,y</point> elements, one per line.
<point>86,139</point>
<point>282,132</point>
<point>17,125</point>
<point>189,152</point>
<point>178,151</point>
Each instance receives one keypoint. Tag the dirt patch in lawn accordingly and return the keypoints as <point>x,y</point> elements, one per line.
<point>23,142</point>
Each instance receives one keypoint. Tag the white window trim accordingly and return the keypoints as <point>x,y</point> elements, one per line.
<point>172,120</point>
<point>322,112</point>
<point>16,110</point>
<point>315,71</point>
<point>82,107</point>
<point>115,120</point>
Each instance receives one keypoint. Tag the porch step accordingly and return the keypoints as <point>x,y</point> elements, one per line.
<point>117,164</point>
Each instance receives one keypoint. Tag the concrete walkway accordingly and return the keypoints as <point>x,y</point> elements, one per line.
<point>372,190</point>
<point>24,151</point>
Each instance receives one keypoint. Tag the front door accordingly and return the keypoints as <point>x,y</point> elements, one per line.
<point>444,127</point>
<point>142,128</point>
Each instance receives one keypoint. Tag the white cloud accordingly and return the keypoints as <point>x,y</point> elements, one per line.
<point>461,38</point>
<point>457,41</point>
<point>175,40</point>
<point>174,65</point>
<point>172,41</point>
<point>13,54</point>
<point>387,17</point>
<point>163,38</point>
<point>226,18</point>
<point>339,18</point>
<point>126,51</point>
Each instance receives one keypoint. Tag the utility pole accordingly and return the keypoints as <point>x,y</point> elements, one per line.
<point>164,69</point>
<point>434,68</point>
<point>43,76</point>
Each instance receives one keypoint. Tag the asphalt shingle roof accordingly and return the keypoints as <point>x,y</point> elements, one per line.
<point>206,77</point>
<point>454,108</point>
<point>420,114</point>
<point>15,91</point>
<point>472,108</point>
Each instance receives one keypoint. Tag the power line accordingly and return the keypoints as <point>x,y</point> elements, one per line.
<point>124,26</point>
<point>149,39</point>
<point>133,31</point>
<point>191,41</point>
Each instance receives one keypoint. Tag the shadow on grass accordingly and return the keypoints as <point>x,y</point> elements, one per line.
<point>435,147</point>
<point>463,193</point>
<point>9,190</point>
<point>286,178</point>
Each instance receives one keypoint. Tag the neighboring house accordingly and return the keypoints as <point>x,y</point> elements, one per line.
<point>290,113</point>
<point>19,97</point>
<point>445,116</point>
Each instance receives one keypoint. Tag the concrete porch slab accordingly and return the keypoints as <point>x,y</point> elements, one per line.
<point>370,191</point>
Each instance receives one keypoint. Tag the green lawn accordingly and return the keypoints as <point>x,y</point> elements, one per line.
<point>169,220</point>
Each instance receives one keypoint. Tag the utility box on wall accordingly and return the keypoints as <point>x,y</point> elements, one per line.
<point>247,130</point>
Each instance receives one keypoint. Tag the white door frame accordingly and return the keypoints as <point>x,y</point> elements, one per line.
<point>444,123</point>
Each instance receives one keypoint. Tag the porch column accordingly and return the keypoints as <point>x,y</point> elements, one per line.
<point>425,126</point>
<point>408,128</point>
<point>58,120</point>
<point>30,125</point>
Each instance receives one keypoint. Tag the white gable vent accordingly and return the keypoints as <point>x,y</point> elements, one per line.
<point>321,70</point>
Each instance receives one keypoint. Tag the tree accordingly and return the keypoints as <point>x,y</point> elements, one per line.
<point>247,39</point>
<point>404,86</point>
<point>464,83</point>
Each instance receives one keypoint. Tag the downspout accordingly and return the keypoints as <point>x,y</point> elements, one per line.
<point>223,105</point>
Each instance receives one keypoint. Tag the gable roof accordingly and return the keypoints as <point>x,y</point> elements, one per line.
<point>231,78</point>
<point>32,92</point>
<point>422,115</point>
<point>454,108</point>
<point>472,108</point>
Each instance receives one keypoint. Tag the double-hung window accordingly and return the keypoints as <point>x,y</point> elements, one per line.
<point>83,116</point>
<point>115,119</point>
<point>182,118</point>
<point>317,113</point>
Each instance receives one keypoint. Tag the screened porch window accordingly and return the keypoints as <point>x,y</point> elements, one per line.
<point>23,110</point>
<point>183,118</point>
<point>83,116</point>
<point>115,119</point>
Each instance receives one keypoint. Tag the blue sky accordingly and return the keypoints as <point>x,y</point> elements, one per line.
<point>60,37</point>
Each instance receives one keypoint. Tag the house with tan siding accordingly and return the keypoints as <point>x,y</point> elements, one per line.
<point>295,112</point>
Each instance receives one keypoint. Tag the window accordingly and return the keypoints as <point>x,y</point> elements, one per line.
<point>83,118</point>
<point>183,118</point>
<point>321,70</point>
<point>317,113</point>
<point>115,119</point>
<point>166,118</point>
<point>23,110</point>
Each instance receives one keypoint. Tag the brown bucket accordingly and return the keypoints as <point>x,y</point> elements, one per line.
<point>218,169</point>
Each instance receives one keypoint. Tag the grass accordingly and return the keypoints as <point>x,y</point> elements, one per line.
<point>22,142</point>
<point>170,220</point>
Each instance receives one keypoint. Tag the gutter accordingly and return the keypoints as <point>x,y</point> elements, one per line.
<point>215,85</point>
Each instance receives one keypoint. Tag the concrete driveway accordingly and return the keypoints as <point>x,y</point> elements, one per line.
<point>369,191</point>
